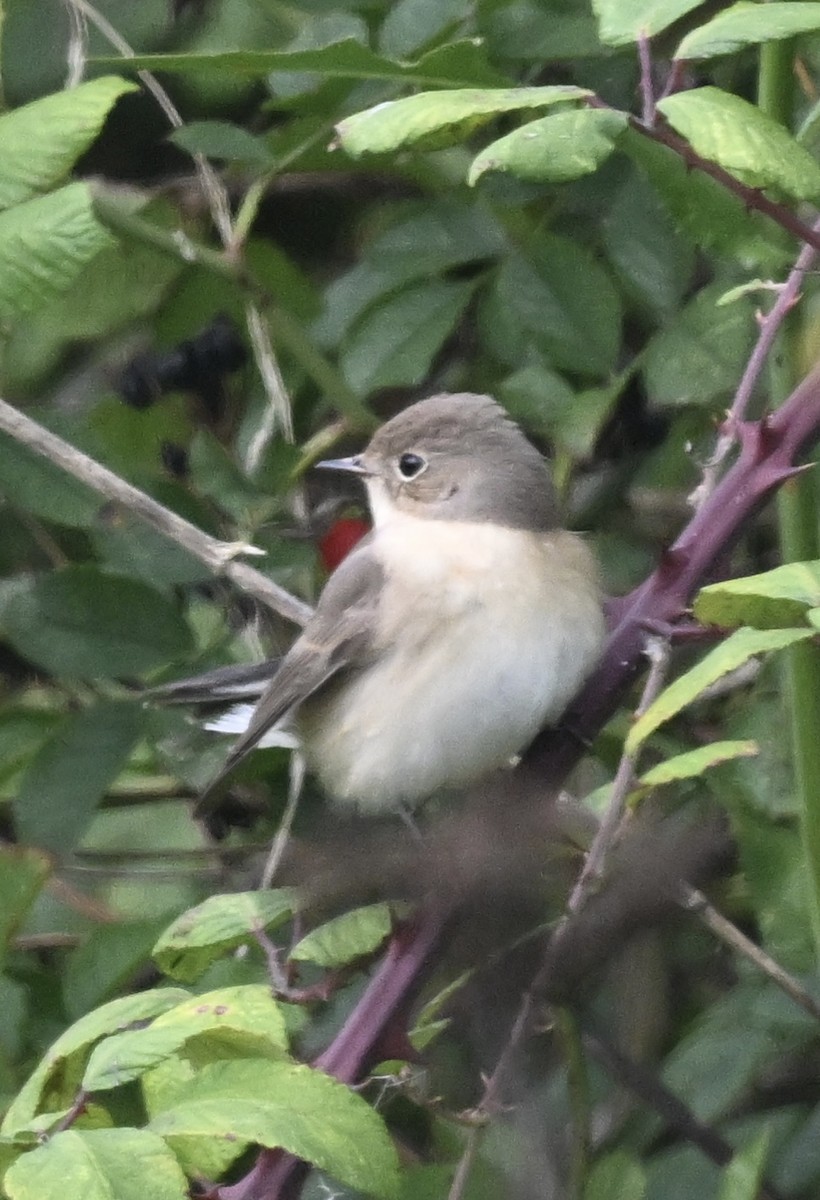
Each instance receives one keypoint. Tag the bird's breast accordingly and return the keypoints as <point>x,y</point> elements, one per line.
<point>483,635</point>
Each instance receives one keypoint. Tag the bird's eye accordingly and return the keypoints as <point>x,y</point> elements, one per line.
<point>411,465</point>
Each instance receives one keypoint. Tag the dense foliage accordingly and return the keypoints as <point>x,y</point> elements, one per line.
<point>241,249</point>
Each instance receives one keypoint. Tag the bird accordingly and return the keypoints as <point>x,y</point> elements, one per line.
<point>455,631</point>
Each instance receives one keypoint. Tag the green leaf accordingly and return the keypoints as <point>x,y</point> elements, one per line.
<point>345,938</point>
<point>559,300</point>
<point>106,961</point>
<point>616,1174</point>
<point>44,244</point>
<point>745,141</point>
<point>458,64</point>
<point>435,119</point>
<point>652,260</point>
<point>624,21</point>
<point>410,24</point>
<point>742,1178</point>
<point>771,600</point>
<point>98,1164</point>
<point>81,622</point>
<point>394,343</point>
<point>564,146</point>
<point>222,139</point>
<point>41,141</point>
<point>747,24</point>
<point>219,924</point>
<point>730,1044</point>
<point>63,785</point>
<point>775,878</point>
<point>709,215</point>
<point>245,1017</point>
<point>32,483</point>
<point>293,1107</point>
<point>742,645</point>
<point>22,874</point>
<point>698,357</point>
<point>693,763</point>
<point>74,1044</point>
<point>431,238</point>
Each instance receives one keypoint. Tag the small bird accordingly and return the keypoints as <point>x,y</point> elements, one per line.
<point>458,628</point>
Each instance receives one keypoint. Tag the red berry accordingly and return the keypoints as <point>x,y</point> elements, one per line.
<point>340,540</point>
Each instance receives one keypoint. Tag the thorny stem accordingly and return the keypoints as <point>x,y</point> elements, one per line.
<point>770,324</point>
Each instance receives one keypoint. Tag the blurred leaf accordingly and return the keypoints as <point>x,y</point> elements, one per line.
<point>738,648</point>
<point>698,357</point>
<point>22,733</point>
<point>33,483</point>
<point>747,24</point>
<point>98,1164</point>
<point>74,1045</point>
<point>456,64</point>
<point>705,211</point>
<point>395,343</point>
<point>84,623</point>
<point>693,763</point>
<point>731,1044</point>
<point>246,1018</point>
<point>69,776</point>
<point>292,1107</point>
<point>544,403</point>
<point>345,938</point>
<point>554,149</point>
<point>410,24</point>
<point>616,1174</point>
<point>23,872</point>
<point>743,1178</point>
<point>44,244</point>
<point>435,119</point>
<point>530,32</point>
<point>559,299</point>
<point>108,958</point>
<point>745,141</point>
<point>121,283</point>
<point>771,600</point>
<point>222,139</point>
<point>41,141</point>
<point>429,240</point>
<point>219,924</point>
<point>773,862</point>
<point>130,547</point>
<point>654,262</point>
<point>624,21</point>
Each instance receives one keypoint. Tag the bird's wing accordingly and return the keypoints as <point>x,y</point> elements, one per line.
<point>242,681</point>
<point>339,635</point>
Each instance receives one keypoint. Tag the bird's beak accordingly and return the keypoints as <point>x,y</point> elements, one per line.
<point>353,465</point>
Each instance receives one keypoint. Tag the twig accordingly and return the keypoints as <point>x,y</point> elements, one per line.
<point>279,844</point>
<point>77,1109</point>
<point>649,114</point>
<point>77,51</point>
<point>465,1163</point>
<point>218,556</point>
<point>694,901</point>
<point>657,651</point>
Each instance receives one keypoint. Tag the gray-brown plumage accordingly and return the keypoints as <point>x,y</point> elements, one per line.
<point>455,631</point>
